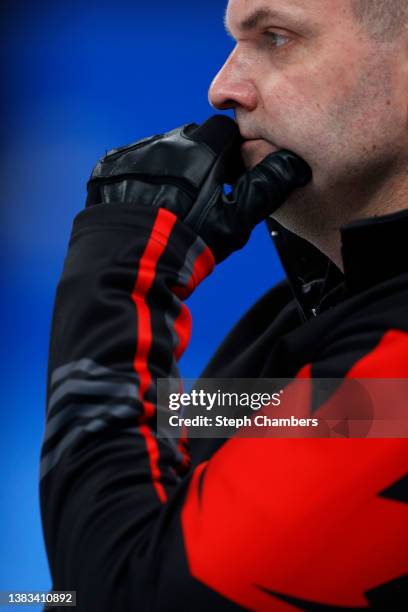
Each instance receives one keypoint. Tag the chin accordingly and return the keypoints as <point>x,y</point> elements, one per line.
<point>254,151</point>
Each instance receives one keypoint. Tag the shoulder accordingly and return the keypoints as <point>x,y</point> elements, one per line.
<point>366,335</point>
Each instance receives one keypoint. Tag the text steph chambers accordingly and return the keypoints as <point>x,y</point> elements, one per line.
<point>259,420</point>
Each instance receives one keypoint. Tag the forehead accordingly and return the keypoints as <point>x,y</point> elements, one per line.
<point>248,13</point>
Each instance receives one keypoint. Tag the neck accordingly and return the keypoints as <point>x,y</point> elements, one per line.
<point>319,219</point>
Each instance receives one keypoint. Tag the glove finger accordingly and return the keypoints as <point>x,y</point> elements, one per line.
<point>219,132</point>
<point>264,188</point>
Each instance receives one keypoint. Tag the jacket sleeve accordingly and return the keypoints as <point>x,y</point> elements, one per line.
<point>264,524</point>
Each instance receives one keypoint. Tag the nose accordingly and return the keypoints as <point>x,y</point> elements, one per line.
<point>231,87</point>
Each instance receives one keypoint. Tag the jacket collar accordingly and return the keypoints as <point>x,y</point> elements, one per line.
<point>373,250</point>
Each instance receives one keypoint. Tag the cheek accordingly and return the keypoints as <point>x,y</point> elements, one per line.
<point>306,109</point>
<point>311,87</point>
<point>293,110</point>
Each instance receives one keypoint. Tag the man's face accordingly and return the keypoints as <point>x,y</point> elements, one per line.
<point>304,76</point>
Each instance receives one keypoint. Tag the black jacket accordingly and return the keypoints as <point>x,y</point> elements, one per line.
<point>131,521</point>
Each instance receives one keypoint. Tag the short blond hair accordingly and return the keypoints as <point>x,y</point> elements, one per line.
<point>383,19</point>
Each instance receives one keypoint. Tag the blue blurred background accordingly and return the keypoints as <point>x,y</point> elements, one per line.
<point>80,78</point>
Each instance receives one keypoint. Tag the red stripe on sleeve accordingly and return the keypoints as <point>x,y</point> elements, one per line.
<point>158,241</point>
<point>203,266</point>
<point>182,328</point>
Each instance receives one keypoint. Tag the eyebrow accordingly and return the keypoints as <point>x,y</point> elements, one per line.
<point>260,16</point>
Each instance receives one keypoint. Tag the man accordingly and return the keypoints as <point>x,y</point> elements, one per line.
<point>261,524</point>
<point>314,81</point>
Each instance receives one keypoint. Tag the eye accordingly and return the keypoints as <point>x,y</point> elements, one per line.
<point>276,39</point>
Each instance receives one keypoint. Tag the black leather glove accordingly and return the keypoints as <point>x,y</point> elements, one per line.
<point>185,171</point>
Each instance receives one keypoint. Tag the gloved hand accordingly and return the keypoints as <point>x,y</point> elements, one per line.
<point>185,171</point>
